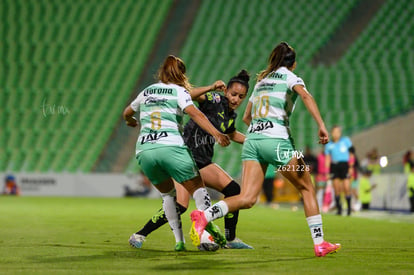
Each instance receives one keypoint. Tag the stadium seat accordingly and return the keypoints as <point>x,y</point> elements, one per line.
<point>79,56</point>
<point>85,56</point>
<point>355,92</point>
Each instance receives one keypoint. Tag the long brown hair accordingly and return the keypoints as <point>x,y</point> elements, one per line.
<point>282,55</point>
<point>173,71</point>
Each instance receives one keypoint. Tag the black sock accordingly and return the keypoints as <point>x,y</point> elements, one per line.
<point>348,201</point>
<point>338,205</point>
<point>231,219</point>
<point>158,220</point>
<point>230,223</point>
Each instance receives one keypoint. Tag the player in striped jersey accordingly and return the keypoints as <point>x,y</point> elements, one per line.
<point>160,148</point>
<point>220,110</point>
<point>268,141</point>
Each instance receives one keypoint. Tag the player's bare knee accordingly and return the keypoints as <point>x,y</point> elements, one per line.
<point>249,202</point>
<point>305,187</point>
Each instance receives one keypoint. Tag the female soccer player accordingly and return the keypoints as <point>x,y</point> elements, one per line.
<point>160,148</point>
<point>268,141</point>
<point>220,112</point>
<point>337,158</point>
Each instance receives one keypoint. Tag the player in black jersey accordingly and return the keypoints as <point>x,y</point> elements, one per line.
<point>220,111</point>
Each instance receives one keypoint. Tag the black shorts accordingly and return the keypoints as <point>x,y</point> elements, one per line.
<point>340,170</point>
<point>201,163</point>
<point>202,155</point>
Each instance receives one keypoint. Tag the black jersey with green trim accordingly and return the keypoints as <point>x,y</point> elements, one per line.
<point>216,108</point>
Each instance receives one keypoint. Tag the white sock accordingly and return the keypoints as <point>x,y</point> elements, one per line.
<point>315,226</point>
<point>216,211</point>
<point>173,217</point>
<point>202,198</point>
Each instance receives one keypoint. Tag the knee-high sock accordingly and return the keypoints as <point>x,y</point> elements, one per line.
<point>338,204</point>
<point>216,211</point>
<point>202,198</point>
<point>173,217</point>
<point>158,220</point>
<point>231,219</point>
<point>348,201</point>
<point>315,226</point>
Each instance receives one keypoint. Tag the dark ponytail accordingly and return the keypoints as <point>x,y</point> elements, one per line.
<point>282,55</point>
<point>242,77</point>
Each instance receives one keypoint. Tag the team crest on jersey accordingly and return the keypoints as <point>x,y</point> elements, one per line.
<point>217,98</point>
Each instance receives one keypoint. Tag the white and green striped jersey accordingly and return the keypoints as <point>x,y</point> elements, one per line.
<point>273,102</point>
<point>161,109</point>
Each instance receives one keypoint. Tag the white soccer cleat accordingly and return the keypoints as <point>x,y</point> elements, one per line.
<point>207,243</point>
<point>136,240</point>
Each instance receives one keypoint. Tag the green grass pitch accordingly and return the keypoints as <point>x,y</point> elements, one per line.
<point>90,236</point>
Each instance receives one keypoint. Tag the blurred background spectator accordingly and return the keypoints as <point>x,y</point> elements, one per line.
<point>365,188</point>
<point>408,161</point>
<point>410,187</point>
<point>268,184</point>
<point>353,171</point>
<point>10,186</point>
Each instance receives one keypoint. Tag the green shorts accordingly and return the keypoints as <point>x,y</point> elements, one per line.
<point>275,151</point>
<point>165,162</point>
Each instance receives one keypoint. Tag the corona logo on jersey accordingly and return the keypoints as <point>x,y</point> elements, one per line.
<point>277,75</point>
<point>160,91</point>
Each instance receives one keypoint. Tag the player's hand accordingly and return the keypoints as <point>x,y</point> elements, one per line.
<point>222,139</point>
<point>132,122</point>
<point>323,135</point>
<point>219,85</point>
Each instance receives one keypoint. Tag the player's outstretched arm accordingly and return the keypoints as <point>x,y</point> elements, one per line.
<point>247,117</point>
<point>197,93</point>
<point>205,124</point>
<point>314,111</point>
<point>238,137</point>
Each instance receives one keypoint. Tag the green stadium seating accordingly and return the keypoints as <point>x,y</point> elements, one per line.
<point>369,84</point>
<point>216,52</point>
<point>79,56</point>
<point>85,57</point>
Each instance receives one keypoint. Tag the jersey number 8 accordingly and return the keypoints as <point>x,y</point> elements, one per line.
<point>261,106</point>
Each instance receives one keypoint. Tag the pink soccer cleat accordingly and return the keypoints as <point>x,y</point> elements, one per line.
<point>198,226</point>
<point>326,248</point>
